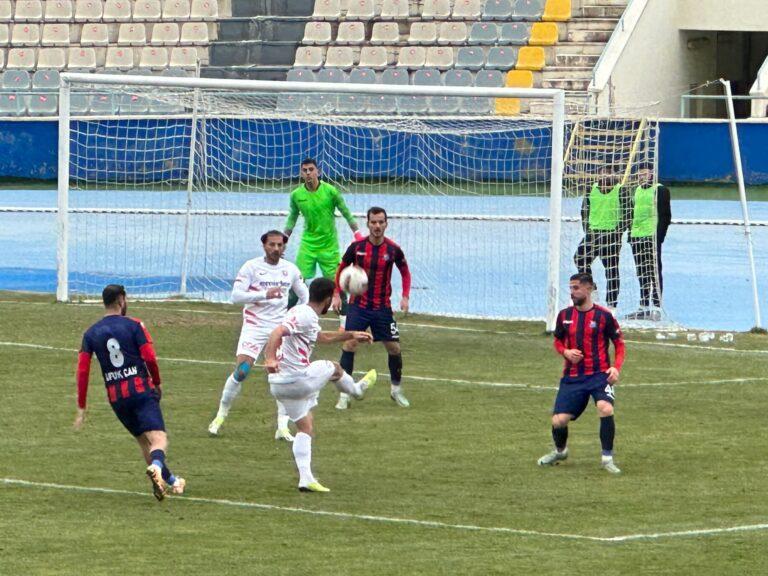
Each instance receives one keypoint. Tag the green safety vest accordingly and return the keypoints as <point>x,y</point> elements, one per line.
<point>645,218</point>
<point>604,209</point>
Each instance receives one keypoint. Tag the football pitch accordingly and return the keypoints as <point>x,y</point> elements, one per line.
<point>449,486</point>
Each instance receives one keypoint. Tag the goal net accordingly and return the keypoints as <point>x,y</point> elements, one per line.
<point>173,201</point>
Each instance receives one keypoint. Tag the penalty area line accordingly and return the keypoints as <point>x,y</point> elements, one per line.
<point>392,519</point>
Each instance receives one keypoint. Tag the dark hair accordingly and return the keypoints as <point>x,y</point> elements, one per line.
<point>309,161</point>
<point>375,210</point>
<point>266,235</point>
<point>111,293</point>
<point>320,289</point>
<point>583,278</point>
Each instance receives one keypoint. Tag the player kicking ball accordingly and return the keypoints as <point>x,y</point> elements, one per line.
<point>296,382</point>
<point>129,366</point>
<point>262,286</point>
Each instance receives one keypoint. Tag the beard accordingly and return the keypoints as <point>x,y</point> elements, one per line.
<point>578,301</point>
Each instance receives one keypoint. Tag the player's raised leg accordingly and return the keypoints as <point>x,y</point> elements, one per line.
<point>232,388</point>
<point>283,432</point>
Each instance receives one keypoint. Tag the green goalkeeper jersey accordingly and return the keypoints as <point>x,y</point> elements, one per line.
<point>319,210</point>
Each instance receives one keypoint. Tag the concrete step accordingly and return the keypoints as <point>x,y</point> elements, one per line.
<point>245,72</point>
<point>583,3</point>
<point>565,59</point>
<point>253,53</point>
<point>272,7</point>
<point>592,24</point>
<point>567,72</point>
<point>602,11</point>
<point>591,48</point>
<point>567,84</point>
<point>580,35</point>
<point>272,29</point>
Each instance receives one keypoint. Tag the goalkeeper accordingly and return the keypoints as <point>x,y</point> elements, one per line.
<point>317,201</point>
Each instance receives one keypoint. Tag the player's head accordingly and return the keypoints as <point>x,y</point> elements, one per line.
<point>581,286</point>
<point>321,292</point>
<point>274,244</point>
<point>114,298</point>
<point>310,173</point>
<point>645,173</point>
<point>377,221</point>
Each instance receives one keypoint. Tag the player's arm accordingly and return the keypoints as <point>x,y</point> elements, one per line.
<point>293,216</point>
<point>147,351</point>
<point>332,337</point>
<point>347,214</point>
<point>613,331</point>
<point>273,345</point>
<point>242,293</point>
<point>405,274</point>
<point>83,374</point>
<point>573,355</point>
<point>300,288</point>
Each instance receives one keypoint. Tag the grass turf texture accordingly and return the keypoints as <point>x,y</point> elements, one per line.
<point>692,456</point>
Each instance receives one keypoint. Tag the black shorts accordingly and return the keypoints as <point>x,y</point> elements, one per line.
<point>381,322</point>
<point>139,414</point>
<point>574,393</point>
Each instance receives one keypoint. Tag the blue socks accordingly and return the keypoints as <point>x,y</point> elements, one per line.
<point>158,459</point>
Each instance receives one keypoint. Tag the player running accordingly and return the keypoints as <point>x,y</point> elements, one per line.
<point>296,382</point>
<point>375,254</point>
<point>582,336</point>
<point>262,285</point>
<point>124,349</point>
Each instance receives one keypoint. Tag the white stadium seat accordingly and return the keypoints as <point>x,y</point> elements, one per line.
<point>80,57</point>
<point>29,11</point>
<point>340,57</point>
<point>311,57</point>
<point>88,10</point>
<point>176,10</point>
<point>21,58</point>
<point>351,33</point>
<point>58,10</point>
<point>55,34</point>
<point>317,33</point>
<point>452,33</point>
<point>165,33</point>
<point>133,34</point>
<point>5,35</point>
<point>411,57</point>
<point>154,57</point>
<point>436,9</point>
<point>6,12</point>
<point>439,57</point>
<point>194,33</point>
<point>120,57</point>
<point>376,57</point>
<point>327,10</point>
<point>361,10</point>
<point>94,34</point>
<point>117,11</point>
<point>25,34</point>
<point>147,10</point>
<point>204,10</point>
<point>385,33</point>
<point>52,58</point>
<point>423,33</point>
<point>395,9</point>
<point>183,57</point>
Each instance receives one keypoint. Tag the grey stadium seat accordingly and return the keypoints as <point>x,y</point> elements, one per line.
<point>42,104</point>
<point>356,103</point>
<point>295,102</point>
<point>46,80</point>
<point>133,104</point>
<point>419,104</point>
<point>12,104</point>
<point>103,105</point>
<point>328,102</point>
<point>16,80</point>
<point>470,57</point>
<point>483,33</point>
<point>530,10</point>
<point>451,104</point>
<point>384,104</point>
<point>497,10</point>
<point>516,33</point>
<point>502,57</point>
<point>483,79</point>
<point>79,104</point>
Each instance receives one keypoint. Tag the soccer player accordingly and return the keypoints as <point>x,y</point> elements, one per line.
<point>375,254</point>
<point>582,336</point>
<point>262,286</point>
<point>317,201</point>
<point>296,382</point>
<point>124,349</point>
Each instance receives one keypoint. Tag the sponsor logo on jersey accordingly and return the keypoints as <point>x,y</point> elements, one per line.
<point>593,324</point>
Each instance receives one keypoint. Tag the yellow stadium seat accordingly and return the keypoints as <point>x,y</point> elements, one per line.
<point>515,79</point>
<point>507,106</point>
<point>530,58</point>
<point>544,34</point>
<point>557,11</point>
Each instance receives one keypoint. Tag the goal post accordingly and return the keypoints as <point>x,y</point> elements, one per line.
<point>169,198</point>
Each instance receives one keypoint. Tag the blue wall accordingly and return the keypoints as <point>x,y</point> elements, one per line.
<point>689,151</point>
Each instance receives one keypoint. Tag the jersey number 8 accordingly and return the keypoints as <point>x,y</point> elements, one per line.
<point>115,356</point>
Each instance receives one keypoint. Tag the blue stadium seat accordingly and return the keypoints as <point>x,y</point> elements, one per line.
<point>451,104</point>
<point>12,104</point>
<point>515,33</point>
<point>328,102</point>
<point>295,102</point>
<point>483,33</point>
<point>383,104</point>
<point>470,57</point>
<point>419,104</point>
<point>16,80</point>
<point>357,103</point>
<point>529,10</point>
<point>497,10</point>
<point>502,57</point>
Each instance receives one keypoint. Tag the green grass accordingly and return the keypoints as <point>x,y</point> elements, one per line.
<point>693,457</point>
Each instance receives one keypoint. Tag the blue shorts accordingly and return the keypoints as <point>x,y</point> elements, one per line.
<point>140,413</point>
<point>381,322</point>
<point>573,394</point>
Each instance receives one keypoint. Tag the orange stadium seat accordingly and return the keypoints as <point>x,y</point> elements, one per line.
<point>557,10</point>
<point>531,58</point>
<point>544,34</point>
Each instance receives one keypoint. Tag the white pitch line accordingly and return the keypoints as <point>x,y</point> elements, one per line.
<point>396,520</point>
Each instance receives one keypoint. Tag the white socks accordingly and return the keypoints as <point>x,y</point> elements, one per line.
<point>346,384</point>
<point>302,453</point>
<point>282,417</point>
<point>231,390</point>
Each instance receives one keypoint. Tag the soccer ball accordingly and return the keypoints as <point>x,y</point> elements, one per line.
<point>353,280</point>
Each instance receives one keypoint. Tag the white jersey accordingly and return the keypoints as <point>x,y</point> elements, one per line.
<point>254,279</point>
<point>303,326</point>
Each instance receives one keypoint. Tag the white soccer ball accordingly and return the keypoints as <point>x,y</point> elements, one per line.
<point>353,280</point>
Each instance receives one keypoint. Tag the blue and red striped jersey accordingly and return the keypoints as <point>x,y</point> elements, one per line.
<point>377,261</point>
<point>591,332</point>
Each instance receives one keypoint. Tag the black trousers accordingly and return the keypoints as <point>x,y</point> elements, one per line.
<point>647,255</point>
<point>606,246</point>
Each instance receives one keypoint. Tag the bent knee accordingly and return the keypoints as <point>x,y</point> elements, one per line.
<point>338,371</point>
<point>604,408</point>
<point>560,420</point>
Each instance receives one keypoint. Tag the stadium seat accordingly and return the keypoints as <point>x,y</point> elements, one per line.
<point>132,34</point>
<point>80,57</point>
<point>176,10</point>
<point>489,79</point>
<point>385,33</point>
<point>557,11</point>
<point>120,57</point>
<point>317,33</point>
<point>385,104</point>
<point>328,102</point>
<point>479,104</point>
<point>79,104</point>
<point>515,33</point>
<point>21,58</point>
<point>544,34</point>
<point>356,103</point>
<point>153,57</point>
<point>175,73</point>
<point>5,35</point>
<point>340,57</point>
<point>16,80</point>
<point>194,33</point>
<point>361,10</point>
<point>116,11</point>
<point>46,80</point>
<point>451,104</point>
<point>300,75</point>
<point>483,33</point>
<point>25,34</point>
<point>531,58</point>
<point>207,10</point>
<point>423,33</point>
<point>466,10</point>
<point>42,104</point>
<point>147,11</point>
<point>452,33</point>
<point>411,57</point>
<point>6,11</point>
<point>29,11</point>
<point>165,33</point>
<point>93,34</point>
<point>133,104</point>
<point>311,57</point>
<point>295,102</point>
<point>183,57</point>
<point>89,10</point>
<point>530,10</point>
<point>166,106</point>
<point>55,58</point>
<point>12,104</point>
<point>497,10</point>
<point>441,57</point>
<point>470,57</point>
<point>395,10</point>
<point>376,57</point>
<point>436,10</point>
<point>419,104</point>
<point>513,79</point>
<point>59,11</point>
<point>502,57</point>
<point>351,33</point>
<point>103,105</point>
<point>327,10</point>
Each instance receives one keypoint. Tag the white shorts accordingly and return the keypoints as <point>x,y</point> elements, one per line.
<point>252,341</point>
<point>298,391</point>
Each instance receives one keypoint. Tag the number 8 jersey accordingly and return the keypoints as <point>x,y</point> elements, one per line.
<point>126,356</point>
